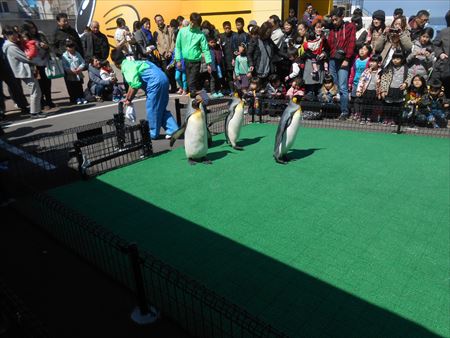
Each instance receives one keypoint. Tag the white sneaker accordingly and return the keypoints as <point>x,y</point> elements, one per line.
<point>168,137</point>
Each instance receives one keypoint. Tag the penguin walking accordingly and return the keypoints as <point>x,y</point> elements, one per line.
<point>234,122</point>
<point>287,130</point>
<point>196,134</point>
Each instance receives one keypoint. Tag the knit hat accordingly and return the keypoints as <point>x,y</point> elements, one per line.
<point>379,14</point>
<point>251,24</point>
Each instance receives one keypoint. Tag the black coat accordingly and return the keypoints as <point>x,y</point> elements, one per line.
<point>229,45</point>
<point>95,45</point>
<point>61,36</point>
<point>254,54</point>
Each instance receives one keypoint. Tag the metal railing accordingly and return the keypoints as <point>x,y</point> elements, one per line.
<point>197,309</point>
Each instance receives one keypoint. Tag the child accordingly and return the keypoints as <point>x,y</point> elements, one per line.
<point>421,59</point>
<point>30,47</point>
<point>438,105</point>
<point>214,80</point>
<point>360,64</point>
<point>297,88</point>
<point>295,67</point>
<point>73,64</point>
<point>314,49</point>
<point>180,76</point>
<point>107,74</point>
<point>252,96</point>
<point>368,89</point>
<point>394,80</point>
<point>416,109</point>
<point>241,68</point>
<point>329,93</point>
<point>274,88</point>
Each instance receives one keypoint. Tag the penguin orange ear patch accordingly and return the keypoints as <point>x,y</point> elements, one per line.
<point>294,100</point>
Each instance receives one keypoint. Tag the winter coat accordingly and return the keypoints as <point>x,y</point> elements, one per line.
<point>364,81</point>
<point>21,66</point>
<point>420,64</point>
<point>388,74</point>
<point>383,45</point>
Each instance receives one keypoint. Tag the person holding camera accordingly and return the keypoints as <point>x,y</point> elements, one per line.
<point>342,48</point>
<point>421,59</point>
<point>395,38</point>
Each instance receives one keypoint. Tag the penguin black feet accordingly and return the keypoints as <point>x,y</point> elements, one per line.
<point>206,161</point>
<point>286,158</point>
<point>238,148</point>
<point>192,161</point>
<point>203,160</point>
<point>280,160</point>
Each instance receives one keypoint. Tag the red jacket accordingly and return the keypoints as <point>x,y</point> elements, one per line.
<point>30,48</point>
<point>343,37</point>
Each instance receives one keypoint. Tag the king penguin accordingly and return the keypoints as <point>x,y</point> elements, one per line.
<point>196,133</point>
<point>234,121</point>
<point>287,130</point>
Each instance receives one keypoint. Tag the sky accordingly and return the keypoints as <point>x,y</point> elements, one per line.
<point>437,8</point>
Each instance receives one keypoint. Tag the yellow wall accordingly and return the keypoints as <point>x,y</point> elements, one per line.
<point>107,11</point>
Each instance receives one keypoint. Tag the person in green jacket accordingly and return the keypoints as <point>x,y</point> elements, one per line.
<point>190,45</point>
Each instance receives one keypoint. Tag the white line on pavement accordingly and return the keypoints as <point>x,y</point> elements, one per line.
<point>64,114</point>
<point>27,156</point>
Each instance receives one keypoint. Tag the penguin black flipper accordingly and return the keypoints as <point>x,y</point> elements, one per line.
<point>210,141</point>
<point>285,121</point>
<point>231,108</point>
<point>176,135</point>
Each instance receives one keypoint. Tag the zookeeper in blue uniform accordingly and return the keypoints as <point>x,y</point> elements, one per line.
<point>147,75</point>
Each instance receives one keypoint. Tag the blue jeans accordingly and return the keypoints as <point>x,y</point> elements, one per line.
<point>340,76</point>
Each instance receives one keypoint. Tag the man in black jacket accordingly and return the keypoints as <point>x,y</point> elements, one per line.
<point>228,40</point>
<point>63,33</point>
<point>95,43</point>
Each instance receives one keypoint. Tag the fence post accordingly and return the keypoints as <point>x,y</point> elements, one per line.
<point>119,123</point>
<point>147,148</point>
<point>82,165</point>
<point>143,313</point>
<point>399,124</point>
<point>178,111</point>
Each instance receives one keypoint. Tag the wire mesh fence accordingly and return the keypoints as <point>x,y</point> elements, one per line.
<point>197,309</point>
<point>372,117</point>
<point>51,159</point>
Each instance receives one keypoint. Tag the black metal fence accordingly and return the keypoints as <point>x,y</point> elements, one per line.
<point>365,117</point>
<point>52,159</point>
<point>197,309</point>
<point>16,319</point>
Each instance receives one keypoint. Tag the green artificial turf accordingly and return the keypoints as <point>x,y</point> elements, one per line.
<point>350,239</point>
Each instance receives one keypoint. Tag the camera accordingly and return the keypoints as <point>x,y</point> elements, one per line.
<point>393,30</point>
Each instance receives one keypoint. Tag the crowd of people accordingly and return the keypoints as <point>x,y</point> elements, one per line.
<point>402,65</point>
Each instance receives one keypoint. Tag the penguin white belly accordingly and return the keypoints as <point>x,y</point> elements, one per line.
<point>196,137</point>
<point>290,134</point>
<point>235,125</point>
